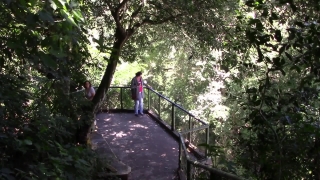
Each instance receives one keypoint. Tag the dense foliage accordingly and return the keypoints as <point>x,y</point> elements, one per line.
<point>279,127</point>
<point>44,48</point>
<point>258,85</point>
<point>250,68</point>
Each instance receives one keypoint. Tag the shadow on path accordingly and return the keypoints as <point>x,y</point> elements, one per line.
<point>142,144</point>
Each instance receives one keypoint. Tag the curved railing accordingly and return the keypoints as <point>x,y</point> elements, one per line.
<point>189,130</point>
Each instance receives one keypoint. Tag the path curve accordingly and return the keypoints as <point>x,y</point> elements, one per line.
<point>142,144</point>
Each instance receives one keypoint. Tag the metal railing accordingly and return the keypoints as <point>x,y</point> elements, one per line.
<point>190,130</point>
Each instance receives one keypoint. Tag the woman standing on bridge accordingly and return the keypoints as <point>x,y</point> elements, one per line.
<point>137,93</point>
<point>89,91</point>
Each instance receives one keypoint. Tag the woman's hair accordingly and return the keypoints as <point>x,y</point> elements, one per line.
<point>138,73</point>
<point>84,84</point>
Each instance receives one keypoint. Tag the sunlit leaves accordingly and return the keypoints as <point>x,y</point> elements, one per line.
<point>41,50</point>
<point>78,15</point>
<point>285,45</point>
<point>68,17</point>
<point>61,4</point>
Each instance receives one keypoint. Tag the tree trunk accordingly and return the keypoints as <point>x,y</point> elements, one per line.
<point>111,67</point>
<point>85,130</point>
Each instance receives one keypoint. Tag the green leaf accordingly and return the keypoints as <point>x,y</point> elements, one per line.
<point>53,5</point>
<point>68,17</point>
<point>59,3</point>
<point>78,15</point>
<point>27,142</point>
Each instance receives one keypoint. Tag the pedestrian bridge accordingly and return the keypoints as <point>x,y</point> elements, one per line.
<point>161,145</point>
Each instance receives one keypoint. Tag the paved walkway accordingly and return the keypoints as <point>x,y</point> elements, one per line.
<point>142,144</point>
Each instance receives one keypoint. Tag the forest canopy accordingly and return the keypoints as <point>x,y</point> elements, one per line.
<point>250,68</point>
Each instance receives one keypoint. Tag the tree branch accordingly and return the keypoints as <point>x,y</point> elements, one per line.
<point>131,31</point>
<point>110,7</point>
<point>120,6</point>
<point>116,15</point>
<point>152,22</point>
<point>135,14</point>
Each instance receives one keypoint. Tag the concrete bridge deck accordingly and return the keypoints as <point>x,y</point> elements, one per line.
<point>141,143</point>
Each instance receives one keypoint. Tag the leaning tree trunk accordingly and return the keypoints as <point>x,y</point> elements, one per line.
<point>121,38</point>
<point>111,67</point>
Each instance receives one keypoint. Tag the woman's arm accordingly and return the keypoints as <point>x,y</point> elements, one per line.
<point>147,85</point>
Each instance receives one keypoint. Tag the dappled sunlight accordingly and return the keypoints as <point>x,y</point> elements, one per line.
<point>140,142</point>
<point>139,126</point>
<point>127,151</point>
<point>212,101</point>
<point>119,134</point>
<point>116,135</point>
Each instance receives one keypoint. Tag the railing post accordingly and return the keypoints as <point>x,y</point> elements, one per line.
<point>189,174</point>
<point>159,110</point>
<point>180,152</point>
<point>207,141</point>
<point>190,127</point>
<point>173,118</point>
<point>121,103</point>
<point>148,99</point>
